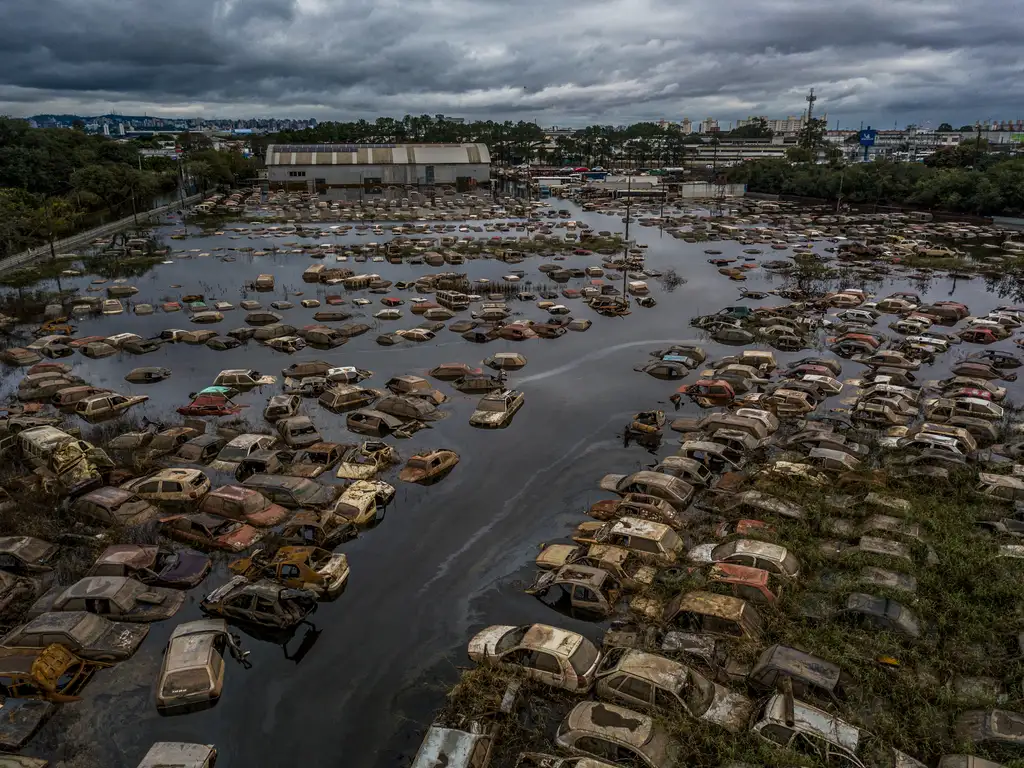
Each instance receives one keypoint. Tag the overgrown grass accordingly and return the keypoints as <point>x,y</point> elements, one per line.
<point>969,605</point>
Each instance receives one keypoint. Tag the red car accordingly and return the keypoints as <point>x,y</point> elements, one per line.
<point>210,532</point>
<point>706,393</point>
<point>234,502</point>
<point>210,405</point>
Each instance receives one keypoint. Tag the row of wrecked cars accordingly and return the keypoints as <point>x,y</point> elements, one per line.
<point>690,561</point>
<point>280,520</point>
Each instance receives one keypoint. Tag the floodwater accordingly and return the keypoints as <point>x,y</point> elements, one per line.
<point>359,686</point>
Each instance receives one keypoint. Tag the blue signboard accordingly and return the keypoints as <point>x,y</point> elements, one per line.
<point>867,137</point>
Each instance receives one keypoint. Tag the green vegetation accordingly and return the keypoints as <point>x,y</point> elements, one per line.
<point>995,187</point>
<point>51,179</point>
<point>904,693</point>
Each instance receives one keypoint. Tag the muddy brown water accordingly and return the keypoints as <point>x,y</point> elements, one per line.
<point>359,685</point>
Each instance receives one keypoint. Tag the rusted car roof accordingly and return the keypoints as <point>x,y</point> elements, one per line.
<point>560,641</point>
<point>131,555</point>
<point>663,672</point>
<point>709,604</point>
<point>815,670</point>
<point>634,526</point>
<point>622,724</point>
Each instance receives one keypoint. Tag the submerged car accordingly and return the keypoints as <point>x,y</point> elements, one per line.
<point>192,672</point>
<point>113,597</point>
<point>298,567</point>
<point>85,634</point>
<point>429,466</point>
<point>497,409</point>
<point>153,565</point>
<point>265,603</point>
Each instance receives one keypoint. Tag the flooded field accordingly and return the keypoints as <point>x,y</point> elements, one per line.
<point>359,684</point>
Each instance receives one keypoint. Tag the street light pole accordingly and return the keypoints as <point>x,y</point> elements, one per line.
<point>625,250</point>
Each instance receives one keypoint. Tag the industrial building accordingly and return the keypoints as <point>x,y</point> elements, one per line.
<point>373,168</point>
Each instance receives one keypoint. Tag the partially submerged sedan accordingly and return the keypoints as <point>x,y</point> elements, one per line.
<point>210,532</point>
<point>264,603</point>
<point>665,487</point>
<point>154,565</point>
<point>192,672</point>
<point>234,502</point>
<point>85,634</point>
<point>497,409</point>
<point>113,597</point>
<point>429,467</point>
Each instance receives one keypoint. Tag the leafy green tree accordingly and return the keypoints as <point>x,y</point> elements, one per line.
<point>944,128</point>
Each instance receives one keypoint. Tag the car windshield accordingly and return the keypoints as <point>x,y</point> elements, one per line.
<point>697,692</point>
<point>496,406</point>
<point>583,658</point>
<point>89,630</point>
<point>233,453</point>
<point>510,639</point>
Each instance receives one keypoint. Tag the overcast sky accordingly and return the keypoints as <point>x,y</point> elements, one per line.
<point>567,62</point>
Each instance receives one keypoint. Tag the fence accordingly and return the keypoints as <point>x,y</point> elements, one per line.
<point>78,239</point>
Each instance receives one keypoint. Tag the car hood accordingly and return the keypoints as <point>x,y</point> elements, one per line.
<point>701,553</point>
<point>272,515</point>
<point>482,645</point>
<point>488,417</point>
<point>157,603</point>
<point>190,569</point>
<point>730,710</point>
<point>121,639</point>
<point>242,538</point>
<point>611,483</point>
<point>224,466</point>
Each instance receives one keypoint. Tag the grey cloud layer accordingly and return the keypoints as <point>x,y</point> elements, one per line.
<point>570,61</point>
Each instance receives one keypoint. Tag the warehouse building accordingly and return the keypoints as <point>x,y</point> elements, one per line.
<point>373,168</point>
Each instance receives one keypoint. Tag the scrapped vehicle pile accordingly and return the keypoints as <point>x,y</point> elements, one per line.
<point>824,572</point>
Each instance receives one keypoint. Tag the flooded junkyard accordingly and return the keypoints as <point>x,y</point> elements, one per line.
<point>878,385</point>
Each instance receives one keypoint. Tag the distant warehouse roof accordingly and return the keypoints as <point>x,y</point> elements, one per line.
<point>377,154</point>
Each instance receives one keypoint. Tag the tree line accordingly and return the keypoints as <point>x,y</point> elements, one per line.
<point>638,145</point>
<point>965,179</point>
<point>56,181</point>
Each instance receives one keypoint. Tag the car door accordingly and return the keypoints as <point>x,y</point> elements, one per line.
<point>149,488</point>
<point>266,611</point>
<point>586,599</point>
<point>290,575</point>
<point>239,606</point>
<point>633,690</point>
<point>170,490</point>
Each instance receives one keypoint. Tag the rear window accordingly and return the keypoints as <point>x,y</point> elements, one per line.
<point>257,502</point>
<point>198,480</point>
<point>583,658</point>
<point>185,683</point>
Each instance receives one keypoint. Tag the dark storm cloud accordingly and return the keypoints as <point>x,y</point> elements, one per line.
<point>574,60</point>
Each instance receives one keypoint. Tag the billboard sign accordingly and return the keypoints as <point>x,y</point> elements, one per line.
<point>867,137</point>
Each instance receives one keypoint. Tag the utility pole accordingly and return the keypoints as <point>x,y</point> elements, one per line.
<point>625,249</point>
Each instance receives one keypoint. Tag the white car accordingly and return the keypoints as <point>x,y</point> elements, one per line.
<point>497,409</point>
